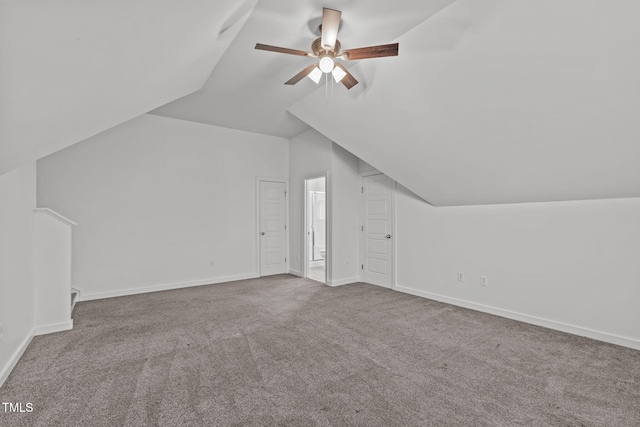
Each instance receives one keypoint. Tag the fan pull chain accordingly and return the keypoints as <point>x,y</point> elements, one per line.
<point>331,80</point>
<point>326,86</point>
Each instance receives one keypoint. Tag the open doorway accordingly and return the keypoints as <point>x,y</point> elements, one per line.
<point>316,228</point>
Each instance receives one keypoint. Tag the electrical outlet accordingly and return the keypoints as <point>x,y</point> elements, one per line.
<point>460,276</point>
<point>484,281</point>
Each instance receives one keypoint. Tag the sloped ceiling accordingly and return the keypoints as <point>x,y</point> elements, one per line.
<point>500,102</point>
<point>70,69</point>
<point>246,91</point>
<point>490,101</point>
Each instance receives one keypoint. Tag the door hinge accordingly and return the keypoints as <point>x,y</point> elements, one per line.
<point>361,266</point>
<point>285,226</point>
<point>285,194</point>
<point>362,190</point>
<point>285,260</point>
<point>362,228</point>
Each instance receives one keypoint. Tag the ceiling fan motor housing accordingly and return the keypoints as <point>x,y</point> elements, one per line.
<point>318,50</point>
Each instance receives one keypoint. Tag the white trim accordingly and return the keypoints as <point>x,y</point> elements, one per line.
<point>371,173</point>
<point>526,318</point>
<point>56,327</point>
<point>15,357</point>
<point>394,239</point>
<point>361,234</point>
<point>328,227</point>
<point>296,273</point>
<point>76,299</point>
<point>380,286</point>
<point>318,263</point>
<point>305,224</point>
<point>334,283</point>
<point>166,287</point>
<point>55,215</point>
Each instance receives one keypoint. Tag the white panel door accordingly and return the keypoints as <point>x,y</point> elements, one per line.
<point>273,217</point>
<point>377,229</point>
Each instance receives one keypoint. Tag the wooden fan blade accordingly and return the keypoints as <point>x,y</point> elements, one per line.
<point>348,80</point>
<point>330,25</point>
<point>282,50</point>
<point>371,52</point>
<point>301,75</point>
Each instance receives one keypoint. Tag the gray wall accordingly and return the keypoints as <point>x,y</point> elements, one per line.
<point>157,199</point>
<point>311,155</point>
<point>17,201</point>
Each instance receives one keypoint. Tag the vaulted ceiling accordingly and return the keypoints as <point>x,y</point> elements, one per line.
<point>70,69</point>
<point>500,102</point>
<point>246,90</point>
<point>489,101</point>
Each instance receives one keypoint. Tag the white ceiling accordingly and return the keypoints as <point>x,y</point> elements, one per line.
<point>528,101</point>
<point>246,88</point>
<point>70,69</point>
<point>489,101</point>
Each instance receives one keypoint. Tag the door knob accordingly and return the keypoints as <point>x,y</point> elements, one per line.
<point>262,233</point>
<point>388,236</point>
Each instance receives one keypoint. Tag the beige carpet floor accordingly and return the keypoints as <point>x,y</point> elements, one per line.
<point>286,351</point>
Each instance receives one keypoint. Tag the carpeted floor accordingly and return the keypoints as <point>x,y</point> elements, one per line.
<point>286,351</point>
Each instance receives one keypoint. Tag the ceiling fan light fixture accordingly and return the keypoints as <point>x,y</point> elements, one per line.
<point>315,75</point>
<point>327,48</point>
<point>338,74</point>
<point>326,64</point>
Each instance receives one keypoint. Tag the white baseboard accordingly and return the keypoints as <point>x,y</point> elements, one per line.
<point>57,327</point>
<point>340,282</point>
<point>375,284</point>
<point>526,318</point>
<point>296,273</point>
<point>77,292</point>
<point>316,263</point>
<point>15,357</point>
<point>165,287</point>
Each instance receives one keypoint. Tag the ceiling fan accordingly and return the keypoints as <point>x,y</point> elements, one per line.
<point>327,49</point>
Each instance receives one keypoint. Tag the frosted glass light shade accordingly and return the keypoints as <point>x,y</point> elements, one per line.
<point>315,75</point>
<point>326,64</point>
<point>338,74</point>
